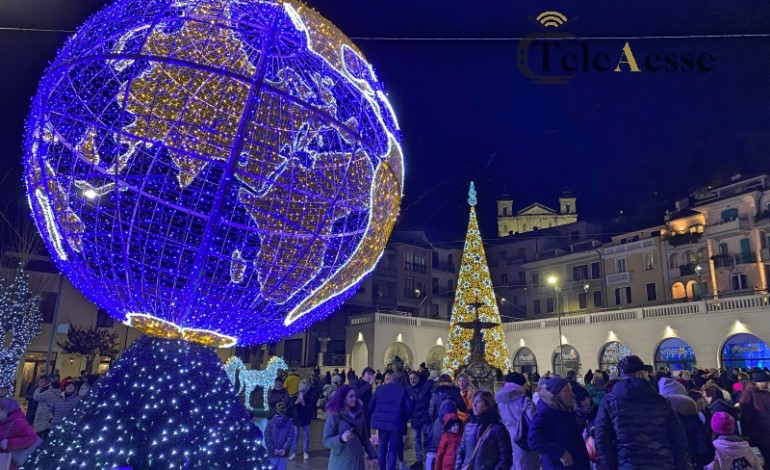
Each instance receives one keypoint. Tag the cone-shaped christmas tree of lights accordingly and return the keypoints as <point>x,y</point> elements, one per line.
<point>475,300</point>
<point>164,404</point>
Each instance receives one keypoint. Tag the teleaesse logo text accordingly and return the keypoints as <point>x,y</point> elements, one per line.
<point>556,57</point>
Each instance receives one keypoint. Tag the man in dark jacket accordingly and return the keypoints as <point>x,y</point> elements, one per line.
<point>715,398</point>
<point>390,409</point>
<point>636,429</point>
<point>419,391</point>
<point>363,387</point>
<point>276,395</point>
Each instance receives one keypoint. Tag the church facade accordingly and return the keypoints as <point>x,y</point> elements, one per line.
<point>535,216</point>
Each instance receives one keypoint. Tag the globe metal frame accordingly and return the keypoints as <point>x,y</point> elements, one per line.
<point>221,171</point>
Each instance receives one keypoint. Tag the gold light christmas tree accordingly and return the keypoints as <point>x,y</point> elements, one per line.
<point>475,300</point>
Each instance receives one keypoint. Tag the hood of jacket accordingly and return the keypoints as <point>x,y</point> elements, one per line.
<point>450,419</point>
<point>683,405</point>
<point>510,392</point>
<point>635,389</point>
<point>446,388</point>
<point>281,420</point>
<point>733,446</point>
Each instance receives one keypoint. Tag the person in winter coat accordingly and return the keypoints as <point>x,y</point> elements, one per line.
<point>755,413</point>
<point>301,412</point>
<point>346,433</point>
<point>698,439</point>
<point>42,420</point>
<point>585,410</point>
<point>390,409</point>
<point>732,452</point>
<point>446,452</point>
<point>279,437</point>
<point>514,404</point>
<point>554,432</point>
<point>276,395</point>
<point>466,392</point>
<point>419,391</point>
<point>15,431</point>
<point>59,402</point>
<point>485,444</point>
<point>444,401</point>
<point>363,387</point>
<point>636,428</point>
<point>716,401</point>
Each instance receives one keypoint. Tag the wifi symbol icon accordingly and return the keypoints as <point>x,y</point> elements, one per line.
<point>551,19</point>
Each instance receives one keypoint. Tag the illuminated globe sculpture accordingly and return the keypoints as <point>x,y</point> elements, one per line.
<point>221,171</point>
<point>212,172</point>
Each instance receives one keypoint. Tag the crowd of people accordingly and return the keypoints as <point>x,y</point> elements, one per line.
<point>638,419</point>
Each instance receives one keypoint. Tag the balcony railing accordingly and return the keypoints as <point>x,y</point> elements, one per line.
<point>745,258</point>
<point>687,270</point>
<point>444,266</point>
<point>722,261</point>
<point>385,271</point>
<point>413,294</point>
<point>619,278</point>
<point>385,301</point>
<point>684,239</point>
<point>727,227</point>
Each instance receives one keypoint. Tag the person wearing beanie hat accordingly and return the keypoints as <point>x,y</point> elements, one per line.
<point>514,405</point>
<point>755,413</point>
<point>275,395</point>
<point>698,439</point>
<point>554,432</point>
<point>731,450</point>
<point>637,428</point>
<point>279,436</point>
<point>301,410</point>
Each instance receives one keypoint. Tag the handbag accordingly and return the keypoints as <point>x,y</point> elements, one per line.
<point>20,456</point>
<point>521,436</point>
<point>476,448</point>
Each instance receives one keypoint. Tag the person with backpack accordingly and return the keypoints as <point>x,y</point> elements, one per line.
<point>514,407</point>
<point>390,409</point>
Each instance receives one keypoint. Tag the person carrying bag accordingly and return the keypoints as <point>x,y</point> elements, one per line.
<point>18,437</point>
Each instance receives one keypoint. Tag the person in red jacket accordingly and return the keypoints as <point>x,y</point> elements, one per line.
<point>15,431</point>
<point>450,441</point>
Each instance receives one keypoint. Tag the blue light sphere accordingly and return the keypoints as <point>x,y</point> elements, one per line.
<point>223,171</point>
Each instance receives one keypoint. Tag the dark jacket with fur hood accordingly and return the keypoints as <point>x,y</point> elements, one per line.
<point>701,448</point>
<point>555,430</point>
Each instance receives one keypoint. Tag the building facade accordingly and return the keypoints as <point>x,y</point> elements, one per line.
<point>535,216</point>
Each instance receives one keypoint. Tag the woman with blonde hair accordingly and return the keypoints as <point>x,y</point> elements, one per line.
<point>466,392</point>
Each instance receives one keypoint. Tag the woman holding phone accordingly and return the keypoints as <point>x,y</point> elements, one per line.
<point>346,434</point>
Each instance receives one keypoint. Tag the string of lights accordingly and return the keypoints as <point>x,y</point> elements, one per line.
<point>21,318</point>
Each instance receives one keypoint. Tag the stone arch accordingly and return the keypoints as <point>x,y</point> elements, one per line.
<point>435,357</point>
<point>674,354</point>
<point>678,291</point>
<point>744,350</point>
<point>690,289</point>
<point>359,356</point>
<point>673,261</point>
<point>401,350</point>
<point>571,360</point>
<point>524,360</point>
<point>610,355</point>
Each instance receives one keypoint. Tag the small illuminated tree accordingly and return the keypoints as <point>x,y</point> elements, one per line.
<point>88,342</point>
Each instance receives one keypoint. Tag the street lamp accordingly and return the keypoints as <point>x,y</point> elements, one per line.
<point>586,286</point>
<point>554,281</point>
<point>698,272</point>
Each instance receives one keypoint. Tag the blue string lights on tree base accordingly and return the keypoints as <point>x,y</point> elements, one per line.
<point>164,404</point>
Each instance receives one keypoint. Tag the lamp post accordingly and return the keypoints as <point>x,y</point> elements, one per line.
<point>554,281</point>
<point>698,272</point>
<point>586,286</point>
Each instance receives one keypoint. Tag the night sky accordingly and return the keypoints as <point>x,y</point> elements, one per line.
<point>631,142</point>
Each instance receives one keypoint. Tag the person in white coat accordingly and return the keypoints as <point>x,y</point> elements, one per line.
<point>513,403</point>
